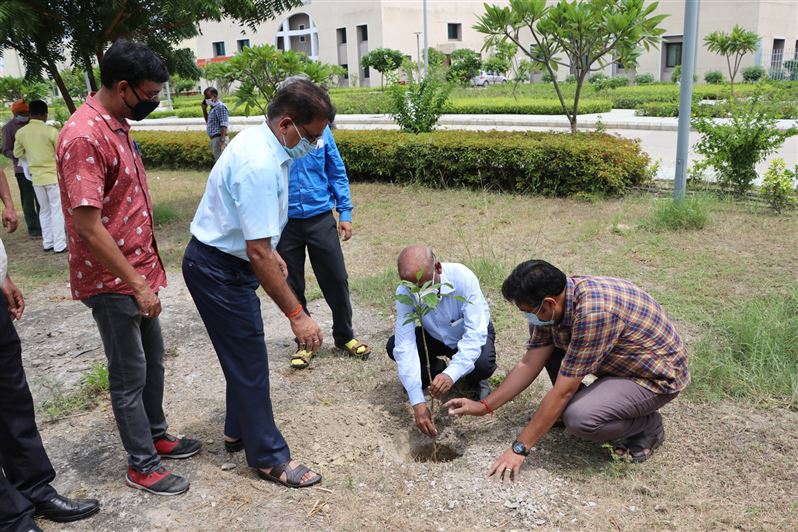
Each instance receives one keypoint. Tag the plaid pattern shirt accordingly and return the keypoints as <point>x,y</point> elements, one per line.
<point>612,328</point>
<point>218,117</point>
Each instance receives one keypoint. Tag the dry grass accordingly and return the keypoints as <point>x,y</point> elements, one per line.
<point>726,465</point>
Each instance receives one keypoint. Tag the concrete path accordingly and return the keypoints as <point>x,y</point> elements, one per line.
<point>657,135</point>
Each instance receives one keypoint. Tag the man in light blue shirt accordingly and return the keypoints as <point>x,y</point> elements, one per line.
<point>456,329</point>
<point>232,252</point>
<point>318,184</point>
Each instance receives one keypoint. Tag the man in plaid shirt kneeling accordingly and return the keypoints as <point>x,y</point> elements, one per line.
<point>581,326</point>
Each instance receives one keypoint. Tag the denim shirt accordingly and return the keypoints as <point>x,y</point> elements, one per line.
<point>318,182</point>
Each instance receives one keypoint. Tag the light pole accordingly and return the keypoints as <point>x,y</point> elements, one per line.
<point>426,42</point>
<point>418,54</point>
<point>686,97</point>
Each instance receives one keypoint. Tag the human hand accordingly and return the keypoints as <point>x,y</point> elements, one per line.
<point>10,219</point>
<point>507,466</point>
<point>307,332</point>
<point>281,264</point>
<point>441,384</point>
<point>16,303</point>
<point>460,406</point>
<point>344,230</point>
<point>148,301</point>
<point>424,420</point>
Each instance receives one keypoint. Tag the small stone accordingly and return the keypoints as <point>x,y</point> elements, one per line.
<point>591,503</point>
<point>510,504</point>
<point>227,466</point>
<point>633,508</point>
<point>539,522</point>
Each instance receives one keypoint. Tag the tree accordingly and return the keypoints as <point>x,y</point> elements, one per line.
<point>260,69</point>
<point>382,60</point>
<point>465,65</point>
<point>497,65</point>
<point>417,106</point>
<point>12,89</point>
<point>40,30</point>
<point>736,44</point>
<point>588,33</point>
<point>180,84</point>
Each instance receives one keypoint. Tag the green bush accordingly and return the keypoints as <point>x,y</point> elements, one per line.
<point>754,73</point>
<point>547,78</point>
<point>752,352</point>
<point>558,164</point>
<point>570,78</point>
<point>676,75</point>
<point>688,214</point>
<point>777,186</point>
<point>644,79</point>
<point>521,106</point>
<point>417,106</point>
<point>714,77</point>
<point>538,163</point>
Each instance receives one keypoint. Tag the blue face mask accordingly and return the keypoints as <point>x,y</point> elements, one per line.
<point>21,119</point>
<point>532,318</point>
<point>302,148</point>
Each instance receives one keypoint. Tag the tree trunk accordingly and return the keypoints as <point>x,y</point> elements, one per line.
<point>53,70</point>
<point>90,73</point>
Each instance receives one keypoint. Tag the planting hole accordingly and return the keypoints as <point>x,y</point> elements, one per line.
<point>428,453</point>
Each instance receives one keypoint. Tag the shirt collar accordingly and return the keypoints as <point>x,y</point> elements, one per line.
<point>567,316</point>
<point>445,290</point>
<point>102,112</point>
<point>274,144</point>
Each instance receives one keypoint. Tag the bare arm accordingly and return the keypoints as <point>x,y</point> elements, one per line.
<point>9,216</point>
<point>90,229</point>
<point>270,269</point>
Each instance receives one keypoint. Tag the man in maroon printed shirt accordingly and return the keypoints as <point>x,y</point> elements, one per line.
<point>114,265</point>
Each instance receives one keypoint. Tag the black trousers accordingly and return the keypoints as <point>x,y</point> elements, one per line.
<point>483,367</point>
<point>26,470</point>
<point>30,205</point>
<point>319,234</point>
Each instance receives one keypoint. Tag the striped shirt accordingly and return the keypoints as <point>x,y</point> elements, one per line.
<point>218,118</point>
<point>613,328</point>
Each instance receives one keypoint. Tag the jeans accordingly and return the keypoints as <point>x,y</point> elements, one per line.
<point>134,349</point>
<point>30,205</point>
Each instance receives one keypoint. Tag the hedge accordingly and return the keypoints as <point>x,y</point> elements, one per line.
<point>783,110</point>
<point>522,106</point>
<point>556,164</point>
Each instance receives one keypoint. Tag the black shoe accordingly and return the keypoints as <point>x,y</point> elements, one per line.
<point>47,250</point>
<point>234,446</point>
<point>169,446</point>
<point>35,529</point>
<point>63,510</point>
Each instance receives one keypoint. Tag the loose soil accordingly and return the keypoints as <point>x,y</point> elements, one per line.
<point>725,466</point>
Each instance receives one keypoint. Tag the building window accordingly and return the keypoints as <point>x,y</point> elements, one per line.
<point>341,35</point>
<point>218,49</point>
<point>366,72</point>
<point>280,45</point>
<point>455,32</point>
<point>673,54</point>
<point>346,70</point>
<point>243,43</point>
<point>363,31</point>
<point>301,38</point>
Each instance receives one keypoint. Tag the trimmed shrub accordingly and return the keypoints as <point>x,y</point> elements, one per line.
<point>714,77</point>
<point>644,79</point>
<point>777,186</point>
<point>754,73</point>
<point>570,78</point>
<point>677,74</point>
<point>521,106</point>
<point>556,164</point>
<point>547,78</point>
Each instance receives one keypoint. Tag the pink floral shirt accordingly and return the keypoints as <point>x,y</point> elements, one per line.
<point>99,166</point>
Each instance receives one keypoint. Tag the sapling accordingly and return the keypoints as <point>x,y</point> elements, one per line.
<point>423,298</point>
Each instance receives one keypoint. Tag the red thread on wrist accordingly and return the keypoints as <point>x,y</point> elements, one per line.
<point>485,403</point>
<point>294,313</point>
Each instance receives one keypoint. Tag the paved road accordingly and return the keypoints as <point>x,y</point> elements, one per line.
<point>657,135</point>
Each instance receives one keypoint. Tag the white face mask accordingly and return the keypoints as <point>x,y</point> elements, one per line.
<point>210,102</point>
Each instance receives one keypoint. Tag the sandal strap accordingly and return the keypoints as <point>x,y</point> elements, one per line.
<point>294,475</point>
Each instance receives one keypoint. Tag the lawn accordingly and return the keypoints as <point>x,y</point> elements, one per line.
<point>728,462</point>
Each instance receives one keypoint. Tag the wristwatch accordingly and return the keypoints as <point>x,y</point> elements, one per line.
<point>520,448</point>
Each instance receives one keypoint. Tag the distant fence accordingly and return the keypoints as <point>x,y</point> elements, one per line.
<point>780,63</point>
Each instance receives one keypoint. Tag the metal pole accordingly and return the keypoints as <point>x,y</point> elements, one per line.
<point>686,96</point>
<point>418,53</point>
<point>426,42</point>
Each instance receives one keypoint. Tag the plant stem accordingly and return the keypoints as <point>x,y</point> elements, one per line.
<point>432,399</point>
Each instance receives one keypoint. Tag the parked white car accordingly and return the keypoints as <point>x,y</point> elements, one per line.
<point>486,78</point>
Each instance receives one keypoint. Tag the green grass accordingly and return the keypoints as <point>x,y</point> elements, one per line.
<point>376,290</point>
<point>163,213</point>
<point>692,213</point>
<point>94,386</point>
<point>751,353</point>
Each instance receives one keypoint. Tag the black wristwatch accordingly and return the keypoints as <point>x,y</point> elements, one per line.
<point>520,448</point>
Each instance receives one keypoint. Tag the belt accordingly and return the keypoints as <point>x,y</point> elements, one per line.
<point>216,135</point>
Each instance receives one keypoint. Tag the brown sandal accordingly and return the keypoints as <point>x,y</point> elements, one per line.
<point>357,350</point>
<point>293,476</point>
<point>301,359</point>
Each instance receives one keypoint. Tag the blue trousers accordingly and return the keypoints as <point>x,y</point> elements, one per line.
<point>223,288</point>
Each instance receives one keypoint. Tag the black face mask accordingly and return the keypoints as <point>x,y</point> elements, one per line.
<point>141,109</point>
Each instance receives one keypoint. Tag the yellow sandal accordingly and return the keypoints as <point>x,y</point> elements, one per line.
<point>356,348</point>
<point>301,359</point>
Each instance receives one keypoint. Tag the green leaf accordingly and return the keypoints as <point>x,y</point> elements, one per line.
<point>405,299</point>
